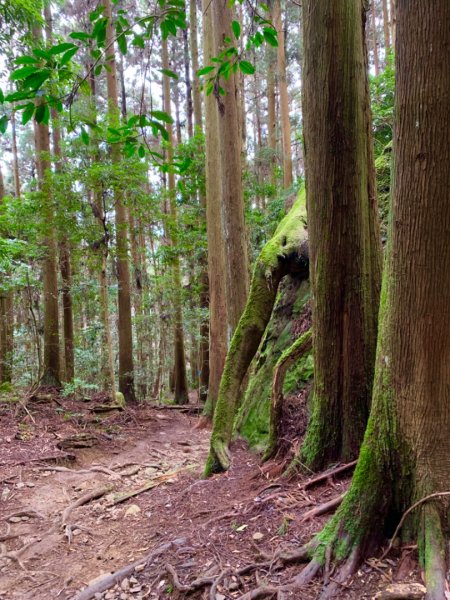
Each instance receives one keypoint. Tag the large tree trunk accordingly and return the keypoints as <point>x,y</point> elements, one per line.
<point>51,366</point>
<point>126,368</point>
<point>286,252</point>
<point>6,319</point>
<point>231,179</point>
<point>343,228</point>
<point>217,266</point>
<point>406,451</point>
<point>180,379</point>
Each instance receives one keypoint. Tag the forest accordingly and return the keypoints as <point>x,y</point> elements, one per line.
<point>224,299</point>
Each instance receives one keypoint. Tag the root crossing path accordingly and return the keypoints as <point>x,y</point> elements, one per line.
<point>115,508</point>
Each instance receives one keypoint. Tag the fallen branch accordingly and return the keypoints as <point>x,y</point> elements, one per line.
<point>94,469</point>
<point>115,578</point>
<point>322,508</point>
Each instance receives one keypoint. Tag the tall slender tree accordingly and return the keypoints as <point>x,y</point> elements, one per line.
<point>126,367</point>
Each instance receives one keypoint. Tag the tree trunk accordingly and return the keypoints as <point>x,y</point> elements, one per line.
<point>406,451</point>
<point>64,249</point>
<point>217,268</point>
<point>284,98</point>
<point>107,372</point>
<point>386,30</point>
<point>271,117</point>
<point>345,263</point>
<point>51,366</point>
<point>180,379</point>
<point>15,156</point>
<point>376,60</point>
<point>6,319</point>
<point>231,179</point>
<point>285,253</point>
<point>126,368</point>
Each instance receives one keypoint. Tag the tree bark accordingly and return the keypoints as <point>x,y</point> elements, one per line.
<point>180,379</point>
<point>231,179</point>
<point>406,451</point>
<point>346,262</point>
<point>64,248</point>
<point>51,365</point>
<point>386,30</point>
<point>6,319</point>
<point>284,98</point>
<point>376,59</point>
<point>15,154</point>
<point>217,266</point>
<point>126,368</point>
<point>271,117</point>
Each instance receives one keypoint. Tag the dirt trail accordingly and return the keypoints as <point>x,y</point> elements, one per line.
<point>202,535</point>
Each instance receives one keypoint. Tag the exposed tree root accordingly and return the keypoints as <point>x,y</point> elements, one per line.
<point>434,544</point>
<point>328,474</point>
<point>109,580</point>
<point>92,495</point>
<point>94,469</point>
<point>322,508</point>
<point>301,346</point>
<point>261,592</point>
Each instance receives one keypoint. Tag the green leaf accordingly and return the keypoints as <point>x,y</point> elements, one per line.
<point>60,48</point>
<point>67,56</point>
<point>25,60</point>
<point>80,35</point>
<point>122,43</point>
<point>162,116</point>
<point>270,35</point>
<point>99,31</point>
<point>236,27</point>
<point>3,124</point>
<point>141,151</point>
<point>246,67</point>
<point>205,71</point>
<point>94,15</point>
<point>41,54</point>
<point>2,97</point>
<point>84,136</point>
<point>169,73</point>
<point>23,73</point>
<point>42,114</point>
<point>28,112</point>
<point>138,41</point>
<point>98,70</point>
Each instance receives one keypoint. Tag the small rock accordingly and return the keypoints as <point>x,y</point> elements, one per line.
<point>30,484</point>
<point>139,568</point>
<point>25,518</point>
<point>15,519</point>
<point>109,596</point>
<point>132,510</point>
<point>123,596</point>
<point>76,532</point>
<point>125,584</point>
<point>220,597</point>
<point>98,596</point>
<point>257,536</point>
<point>133,580</point>
<point>136,589</point>
<point>20,485</point>
<point>5,494</point>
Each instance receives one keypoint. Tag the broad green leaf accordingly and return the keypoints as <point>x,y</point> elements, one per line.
<point>42,113</point>
<point>25,60</point>
<point>23,73</point>
<point>3,123</point>
<point>246,67</point>
<point>162,116</point>
<point>141,151</point>
<point>28,113</point>
<point>80,35</point>
<point>60,48</point>
<point>84,136</point>
<point>169,73</point>
<point>236,27</point>
<point>205,71</point>
<point>270,35</point>
<point>122,43</point>
<point>67,56</point>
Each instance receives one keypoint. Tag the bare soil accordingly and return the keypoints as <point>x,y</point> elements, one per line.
<point>60,451</point>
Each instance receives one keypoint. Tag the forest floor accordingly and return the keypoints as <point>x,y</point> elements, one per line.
<point>66,524</point>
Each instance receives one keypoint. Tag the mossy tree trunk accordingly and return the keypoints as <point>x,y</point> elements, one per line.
<point>343,228</point>
<point>406,451</point>
<point>285,253</point>
<point>6,320</point>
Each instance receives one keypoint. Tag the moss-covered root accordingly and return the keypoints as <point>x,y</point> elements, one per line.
<point>301,345</point>
<point>432,544</point>
<point>286,252</point>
